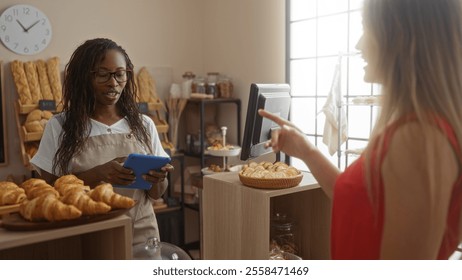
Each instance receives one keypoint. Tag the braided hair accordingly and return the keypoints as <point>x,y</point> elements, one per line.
<point>79,101</point>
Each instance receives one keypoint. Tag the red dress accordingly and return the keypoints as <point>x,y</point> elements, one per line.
<point>357,225</point>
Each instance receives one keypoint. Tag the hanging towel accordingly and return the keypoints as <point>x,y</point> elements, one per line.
<point>335,113</point>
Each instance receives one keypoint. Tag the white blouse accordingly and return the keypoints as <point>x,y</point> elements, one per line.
<point>43,159</point>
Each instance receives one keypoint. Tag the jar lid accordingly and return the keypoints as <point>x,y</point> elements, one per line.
<point>189,75</point>
<point>281,221</point>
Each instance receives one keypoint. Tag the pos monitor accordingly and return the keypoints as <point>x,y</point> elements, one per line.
<point>274,98</point>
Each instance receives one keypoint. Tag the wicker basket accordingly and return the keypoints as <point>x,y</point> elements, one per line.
<point>271,183</point>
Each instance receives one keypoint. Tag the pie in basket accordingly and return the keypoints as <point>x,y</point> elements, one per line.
<point>270,176</point>
<point>269,170</point>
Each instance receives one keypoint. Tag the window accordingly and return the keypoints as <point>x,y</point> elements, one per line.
<point>319,33</point>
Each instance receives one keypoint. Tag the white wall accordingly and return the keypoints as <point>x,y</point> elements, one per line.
<point>245,38</point>
<point>242,38</point>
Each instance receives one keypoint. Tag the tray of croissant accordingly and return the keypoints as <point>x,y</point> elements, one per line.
<point>219,150</point>
<point>69,202</point>
<point>267,175</point>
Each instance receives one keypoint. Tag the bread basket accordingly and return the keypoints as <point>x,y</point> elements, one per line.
<point>271,183</point>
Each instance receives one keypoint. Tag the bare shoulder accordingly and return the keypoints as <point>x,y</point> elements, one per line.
<point>417,148</point>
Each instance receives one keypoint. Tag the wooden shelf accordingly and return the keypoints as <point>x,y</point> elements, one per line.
<point>20,128</point>
<point>236,219</point>
<point>109,239</point>
<point>30,136</point>
<point>25,109</point>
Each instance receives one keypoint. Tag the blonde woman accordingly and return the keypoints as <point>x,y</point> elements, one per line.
<point>402,198</point>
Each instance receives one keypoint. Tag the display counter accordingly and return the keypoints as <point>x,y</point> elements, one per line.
<point>108,239</point>
<point>236,219</point>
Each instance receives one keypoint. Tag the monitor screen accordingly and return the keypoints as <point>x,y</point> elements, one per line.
<point>274,98</point>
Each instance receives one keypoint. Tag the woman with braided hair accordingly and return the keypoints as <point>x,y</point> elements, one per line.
<point>99,126</point>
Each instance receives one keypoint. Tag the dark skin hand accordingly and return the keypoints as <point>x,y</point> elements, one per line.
<point>113,172</point>
<point>155,176</point>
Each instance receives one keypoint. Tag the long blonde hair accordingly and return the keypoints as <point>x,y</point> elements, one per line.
<point>420,63</point>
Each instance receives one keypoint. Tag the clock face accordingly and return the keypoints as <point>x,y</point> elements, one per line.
<point>24,29</point>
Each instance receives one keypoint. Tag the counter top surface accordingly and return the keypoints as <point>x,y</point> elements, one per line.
<point>308,182</point>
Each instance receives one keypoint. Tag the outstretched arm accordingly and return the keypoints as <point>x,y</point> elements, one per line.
<point>290,140</point>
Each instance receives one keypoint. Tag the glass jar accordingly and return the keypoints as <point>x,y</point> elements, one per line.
<point>212,88</point>
<point>225,87</point>
<point>198,85</point>
<point>186,86</point>
<point>284,234</point>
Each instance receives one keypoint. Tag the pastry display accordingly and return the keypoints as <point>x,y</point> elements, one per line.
<point>269,170</point>
<point>215,168</point>
<point>267,175</point>
<point>11,194</point>
<point>39,80</point>
<point>68,199</point>
<point>36,120</point>
<point>217,149</point>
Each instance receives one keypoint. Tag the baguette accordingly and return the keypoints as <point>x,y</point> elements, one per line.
<point>32,78</point>
<point>45,88</point>
<point>54,76</point>
<point>20,81</point>
<point>146,86</point>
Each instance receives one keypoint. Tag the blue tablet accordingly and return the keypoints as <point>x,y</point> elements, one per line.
<point>141,164</point>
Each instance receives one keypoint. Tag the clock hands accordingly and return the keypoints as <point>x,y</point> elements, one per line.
<point>27,29</point>
<point>22,26</point>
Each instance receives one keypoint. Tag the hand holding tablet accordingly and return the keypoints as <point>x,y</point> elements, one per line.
<point>142,164</point>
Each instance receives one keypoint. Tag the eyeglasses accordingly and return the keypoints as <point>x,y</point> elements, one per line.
<point>102,77</point>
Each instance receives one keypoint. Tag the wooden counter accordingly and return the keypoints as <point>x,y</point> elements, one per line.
<point>109,239</point>
<point>236,219</point>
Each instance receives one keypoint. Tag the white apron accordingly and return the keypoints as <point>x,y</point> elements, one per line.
<point>103,148</point>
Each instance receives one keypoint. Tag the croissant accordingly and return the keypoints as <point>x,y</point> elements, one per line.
<point>84,203</point>
<point>30,183</point>
<point>48,207</point>
<point>70,183</point>
<point>38,187</point>
<point>105,193</point>
<point>10,193</point>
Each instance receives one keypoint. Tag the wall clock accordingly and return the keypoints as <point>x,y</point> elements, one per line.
<point>24,29</point>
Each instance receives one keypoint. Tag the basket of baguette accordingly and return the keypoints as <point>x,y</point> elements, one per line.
<point>267,175</point>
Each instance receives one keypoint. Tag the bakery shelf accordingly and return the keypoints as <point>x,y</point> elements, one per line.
<point>21,132</point>
<point>30,136</point>
<point>27,108</point>
<point>155,106</point>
